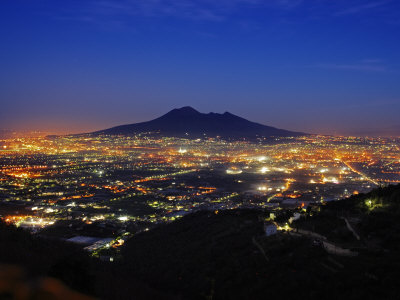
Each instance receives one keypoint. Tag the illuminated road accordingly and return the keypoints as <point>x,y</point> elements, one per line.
<point>360,173</point>
<point>288,182</point>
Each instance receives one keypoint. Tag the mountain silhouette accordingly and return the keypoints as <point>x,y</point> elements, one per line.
<point>188,122</point>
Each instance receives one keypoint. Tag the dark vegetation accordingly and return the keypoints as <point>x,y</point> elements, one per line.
<point>69,229</point>
<point>225,255</point>
<point>374,216</point>
<point>41,257</point>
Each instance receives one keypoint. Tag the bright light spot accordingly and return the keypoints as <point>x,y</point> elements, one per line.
<point>123,218</point>
<point>264,170</point>
<point>331,180</point>
<point>234,171</point>
<point>182,150</point>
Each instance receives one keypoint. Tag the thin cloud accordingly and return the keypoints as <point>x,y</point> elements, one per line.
<point>372,61</point>
<point>223,10</point>
<point>208,10</point>
<point>188,9</point>
<point>371,67</point>
<point>361,8</point>
<point>288,3</point>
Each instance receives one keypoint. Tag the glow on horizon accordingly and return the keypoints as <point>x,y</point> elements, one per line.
<point>324,67</point>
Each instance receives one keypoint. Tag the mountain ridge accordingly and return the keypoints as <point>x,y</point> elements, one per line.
<point>188,122</point>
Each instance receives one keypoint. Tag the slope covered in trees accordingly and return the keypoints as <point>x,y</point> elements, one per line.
<point>225,255</point>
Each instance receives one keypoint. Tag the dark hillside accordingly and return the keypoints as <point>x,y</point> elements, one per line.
<point>226,255</point>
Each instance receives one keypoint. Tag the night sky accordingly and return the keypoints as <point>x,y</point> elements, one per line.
<point>316,66</point>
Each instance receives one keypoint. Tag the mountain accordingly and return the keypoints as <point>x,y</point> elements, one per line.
<point>188,122</point>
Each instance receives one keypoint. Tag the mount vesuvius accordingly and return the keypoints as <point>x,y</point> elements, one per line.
<point>188,122</point>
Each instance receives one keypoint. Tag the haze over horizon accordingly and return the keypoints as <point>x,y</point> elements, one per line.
<point>300,65</point>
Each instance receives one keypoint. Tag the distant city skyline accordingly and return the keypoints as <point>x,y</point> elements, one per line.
<point>301,65</point>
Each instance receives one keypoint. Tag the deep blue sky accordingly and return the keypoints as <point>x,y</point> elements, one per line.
<point>308,65</point>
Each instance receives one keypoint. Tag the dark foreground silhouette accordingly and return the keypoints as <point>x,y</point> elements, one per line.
<point>226,255</point>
